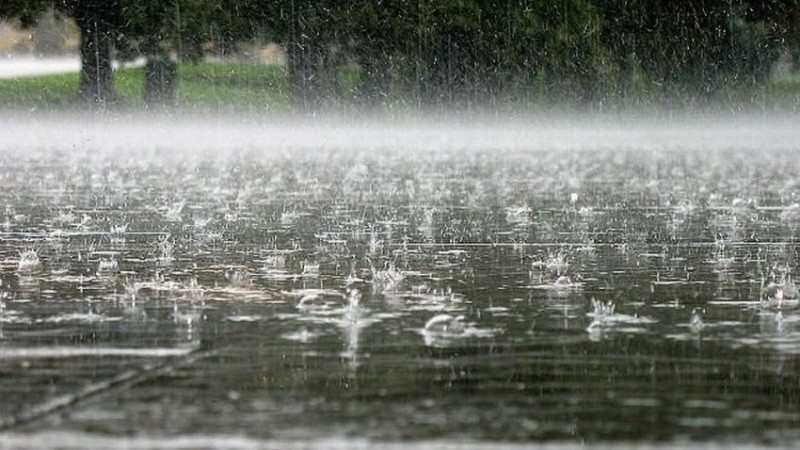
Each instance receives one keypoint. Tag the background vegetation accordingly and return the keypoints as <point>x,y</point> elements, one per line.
<point>593,54</point>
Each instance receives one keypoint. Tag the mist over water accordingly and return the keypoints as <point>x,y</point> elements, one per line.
<point>442,132</point>
<point>449,280</point>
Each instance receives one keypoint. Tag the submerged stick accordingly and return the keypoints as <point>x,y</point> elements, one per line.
<point>121,381</point>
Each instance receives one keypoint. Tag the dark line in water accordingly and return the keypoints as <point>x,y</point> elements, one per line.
<point>121,381</point>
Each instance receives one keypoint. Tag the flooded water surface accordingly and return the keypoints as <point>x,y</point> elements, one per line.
<point>342,284</point>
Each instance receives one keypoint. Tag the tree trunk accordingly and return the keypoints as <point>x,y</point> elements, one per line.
<point>160,81</point>
<point>304,77</point>
<point>296,67</point>
<point>96,38</point>
<point>375,81</point>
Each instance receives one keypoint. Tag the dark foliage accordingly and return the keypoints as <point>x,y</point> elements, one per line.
<point>453,52</point>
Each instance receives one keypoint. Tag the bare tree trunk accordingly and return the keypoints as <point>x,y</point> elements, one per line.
<point>304,67</point>
<point>97,21</point>
<point>375,79</point>
<point>96,84</point>
<point>160,81</point>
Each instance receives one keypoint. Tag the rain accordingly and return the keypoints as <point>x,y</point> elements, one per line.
<point>395,224</point>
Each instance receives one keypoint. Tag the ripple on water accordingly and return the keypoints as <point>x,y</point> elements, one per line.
<point>245,318</point>
<point>445,330</point>
<point>302,335</point>
<point>14,317</point>
<point>78,317</point>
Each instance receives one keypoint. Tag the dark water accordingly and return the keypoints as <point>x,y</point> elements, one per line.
<point>616,289</point>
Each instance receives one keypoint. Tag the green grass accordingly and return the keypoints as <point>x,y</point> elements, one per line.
<point>213,87</point>
<point>32,92</point>
<point>231,85</point>
<point>226,86</point>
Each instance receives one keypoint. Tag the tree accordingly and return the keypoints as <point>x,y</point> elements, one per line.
<point>470,52</point>
<point>149,30</point>
<point>691,48</point>
<point>445,52</point>
<point>309,31</point>
<point>165,32</point>
<point>26,11</point>
<point>97,21</point>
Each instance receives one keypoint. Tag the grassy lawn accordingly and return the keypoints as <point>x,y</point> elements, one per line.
<point>40,91</point>
<point>245,87</point>
<point>212,86</point>
<point>232,85</point>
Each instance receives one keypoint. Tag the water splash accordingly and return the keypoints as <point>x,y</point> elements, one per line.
<point>605,318</point>
<point>445,324</point>
<point>117,234</point>
<point>311,269</point>
<point>107,267</point>
<point>388,278</point>
<point>165,249</point>
<point>780,292</point>
<point>696,323</point>
<point>29,262</point>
